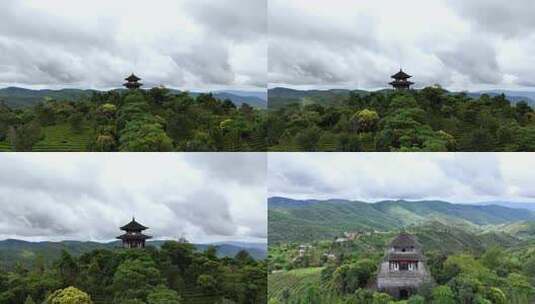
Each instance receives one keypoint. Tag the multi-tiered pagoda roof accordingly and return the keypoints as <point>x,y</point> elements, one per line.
<point>133,236</point>
<point>132,82</point>
<point>401,80</point>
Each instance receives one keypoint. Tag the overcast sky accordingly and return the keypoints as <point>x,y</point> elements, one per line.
<point>186,44</point>
<point>69,196</point>
<point>453,177</point>
<point>459,44</point>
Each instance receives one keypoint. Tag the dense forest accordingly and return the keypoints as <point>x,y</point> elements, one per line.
<point>174,274</point>
<point>431,119</point>
<point>134,120</point>
<point>476,254</point>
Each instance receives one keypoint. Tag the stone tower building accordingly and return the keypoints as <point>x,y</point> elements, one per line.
<point>403,269</point>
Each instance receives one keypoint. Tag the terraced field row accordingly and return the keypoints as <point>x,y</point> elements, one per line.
<point>193,295</point>
<point>62,138</point>
<point>5,147</point>
<point>295,280</point>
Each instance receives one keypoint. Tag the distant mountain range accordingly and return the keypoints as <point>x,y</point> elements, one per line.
<point>279,97</point>
<point>21,97</point>
<point>12,251</point>
<point>306,220</point>
<point>527,206</point>
<point>513,96</point>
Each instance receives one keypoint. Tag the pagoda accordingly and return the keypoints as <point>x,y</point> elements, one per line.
<point>132,82</point>
<point>403,269</point>
<point>133,237</point>
<point>401,81</point>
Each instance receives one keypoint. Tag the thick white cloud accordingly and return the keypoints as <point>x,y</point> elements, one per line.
<point>455,177</point>
<point>188,44</point>
<point>462,45</point>
<point>202,196</point>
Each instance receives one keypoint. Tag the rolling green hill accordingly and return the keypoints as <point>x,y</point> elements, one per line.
<point>20,97</point>
<point>13,251</point>
<point>293,220</point>
<point>280,97</point>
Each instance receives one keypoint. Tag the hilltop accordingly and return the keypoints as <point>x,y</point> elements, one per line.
<point>155,120</point>
<point>426,120</point>
<point>175,271</point>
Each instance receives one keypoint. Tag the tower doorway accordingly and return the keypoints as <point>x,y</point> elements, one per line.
<point>403,294</point>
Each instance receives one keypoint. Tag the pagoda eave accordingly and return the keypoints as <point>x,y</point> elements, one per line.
<point>134,237</point>
<point>401,75</point>
<point>133,85</point>
<point>132,78</point>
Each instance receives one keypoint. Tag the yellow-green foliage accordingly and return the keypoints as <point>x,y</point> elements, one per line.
<point>69,295</point>
<point>5,147</point>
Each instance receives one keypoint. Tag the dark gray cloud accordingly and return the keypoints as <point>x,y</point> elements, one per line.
<point>209,208</point>
<point>462,45</point>
<point>475,59</point>
<point>241,168</point>
<point>235,19</point>
<point>87,197</point>
<point>186,44</point>
<point>207,61</point>
<point>513,19</point>
<point>456,177</point>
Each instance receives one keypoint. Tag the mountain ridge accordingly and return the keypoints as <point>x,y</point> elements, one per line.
<point>18,97</point>
<point>312,219</point>
<point>281,96</point>
<point>15,250</point>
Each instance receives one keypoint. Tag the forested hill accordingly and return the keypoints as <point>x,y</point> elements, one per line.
<point>302,220</point>
<point>155,120</point>
<point>175,272</point>
<point>426,120</point>
<point>20,97</point>
<point>13,251</point>
<point>280,97</point>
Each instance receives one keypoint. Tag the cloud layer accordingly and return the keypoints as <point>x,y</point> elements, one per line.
<point>236,44</point>
<point>188,44</point>
<point>462,45</point>
<point>455,177</point>
<point>204,197</point>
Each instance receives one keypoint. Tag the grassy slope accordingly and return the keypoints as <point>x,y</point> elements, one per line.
<point>58,138</point>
